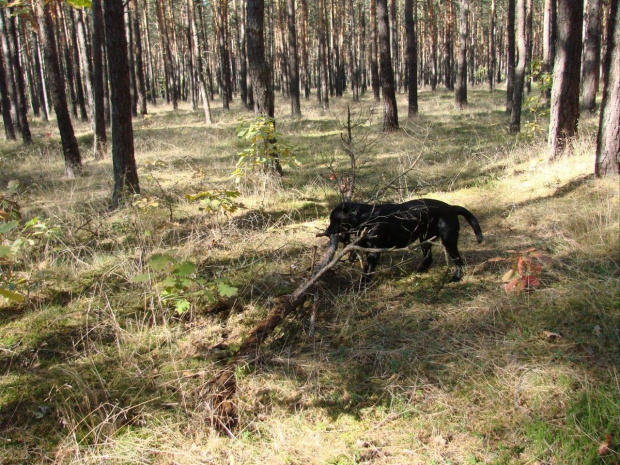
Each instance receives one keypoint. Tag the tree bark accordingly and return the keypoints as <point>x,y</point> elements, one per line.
<point>19,80</point>
<point>293,61</point>
<point>202,86</point>
<point>608,137</point>
<point>71,151</point>
<point>323,64</point>
<point>390,109</point>
<point>412,57</point>
<point>510,55</point>
<point>85,64</point>
<point>124,163</point>
<point>432,26</point>
<point>566,73</point>
<point>10,70</point>
<point>591,55</point>
<point>517,96</point>
<point>139,62</point>
<point>305,69</point>
<point>257,66</point>
<point>448,46</point>
<point>101,139</point>
<point>222,40</point>
<point>549,36</point>
<point>7,119</point>
<point>374,67</point>
<point>492,57</point>
<point>460,93</point>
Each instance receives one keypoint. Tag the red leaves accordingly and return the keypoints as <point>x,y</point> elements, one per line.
<point>525,271</point>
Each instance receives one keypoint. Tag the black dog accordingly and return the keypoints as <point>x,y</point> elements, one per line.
<point>396,225</point>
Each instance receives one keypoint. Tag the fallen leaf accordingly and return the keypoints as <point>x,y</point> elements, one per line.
<point>550,336</point>
<point>605,446</point>
<point>597,330</point>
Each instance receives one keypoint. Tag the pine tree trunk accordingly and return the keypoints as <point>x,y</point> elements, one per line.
<point>202,86</point>
<point>510,55</point>
<point>390,109</point>
<point>221,11</point>
<point>432,24</point>
<point>591,55</point>
<point>394,42</point>
<point>460,93</point>
<point>85,64</point>
<point>139,62</point>
<point>448,47</point>
<point>257,66</point>
<point>125,172</point>
<point>7,119</point>
<point>492,56</point>
<point>40,76</point>
<point>71,151</point>
<point>566,73</point>
<point>305,69</point>
<point>412,57</point>
<point>323,65</point>
<point>608,138</point>
<point>517,97</point>
<point>374,66</point>
<point>528,45</point>
<point>9,70</point>
<point>30,71</point>
<point>19,80</point>
<point>293,62</point>
<point>549,36</point>
<point>101,139</point>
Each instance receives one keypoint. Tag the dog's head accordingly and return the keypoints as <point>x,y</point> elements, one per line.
<point>343,219</point>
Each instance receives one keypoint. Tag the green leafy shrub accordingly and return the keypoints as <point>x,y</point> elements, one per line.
<point>177,283</point>
<point>218,201</point>
<point>266,151</point>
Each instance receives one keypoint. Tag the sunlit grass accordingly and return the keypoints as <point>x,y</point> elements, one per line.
<point>412,370</point>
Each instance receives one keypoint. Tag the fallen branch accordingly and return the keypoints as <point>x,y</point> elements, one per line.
<point>223,385</point>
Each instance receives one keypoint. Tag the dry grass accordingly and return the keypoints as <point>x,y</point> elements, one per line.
<point>96,369</point>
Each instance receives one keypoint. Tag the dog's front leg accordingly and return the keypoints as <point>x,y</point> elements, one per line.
<point>369,267</point>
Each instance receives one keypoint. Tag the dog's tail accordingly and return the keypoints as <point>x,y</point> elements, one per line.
<point>472,220</point>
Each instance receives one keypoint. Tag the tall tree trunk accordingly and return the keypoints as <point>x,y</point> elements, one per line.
<point>460,94</point>
<point>71,151</point>
<point>492,57</point>
<point>85,64</point>
<point>549,36</point>
<point>30,70</point>
<point>222,41</point>
<point>517,96</point>
<point>305,69</point>
<point>167,54</point>
<point>293,62</point>
<point>394,41</point>
<point>432,25</point>
<point>323,65</point>
<point>7,119</point>
<point>591,55</point>
<point>101,139</point>
<point>352,52</point>
<point>125,172</point>
<point>374,66</point>
<point>38,64</point>
<point>19,80</point>
<point>412,56</point>
<point>139,62</point>
<point>510,55</point>
<point>448,47</point>
<point>390,109</point>
<point>133,88</point>
<point>257,66</point>
<point>529,42</point>
<point>608,137</point>
<point>202,86</point>
<point>9,69</point>
<point>566,73</point>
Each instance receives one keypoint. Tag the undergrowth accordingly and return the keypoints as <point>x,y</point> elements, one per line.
<point>126,315</point>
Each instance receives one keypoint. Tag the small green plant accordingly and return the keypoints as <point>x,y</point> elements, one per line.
<point>524,274</point>
<point>218,201</point>
<point>16,245</point>
<point>178,284</point>
<point>266,151</point>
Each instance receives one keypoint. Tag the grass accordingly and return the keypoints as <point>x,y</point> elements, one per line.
<point>97,369</point>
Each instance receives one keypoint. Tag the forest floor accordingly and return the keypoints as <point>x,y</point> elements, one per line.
<point>97,366</point>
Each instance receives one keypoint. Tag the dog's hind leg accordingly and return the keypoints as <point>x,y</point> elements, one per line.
<point>369,267</point>
<point>451,245</point>
<point>428,257</point>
